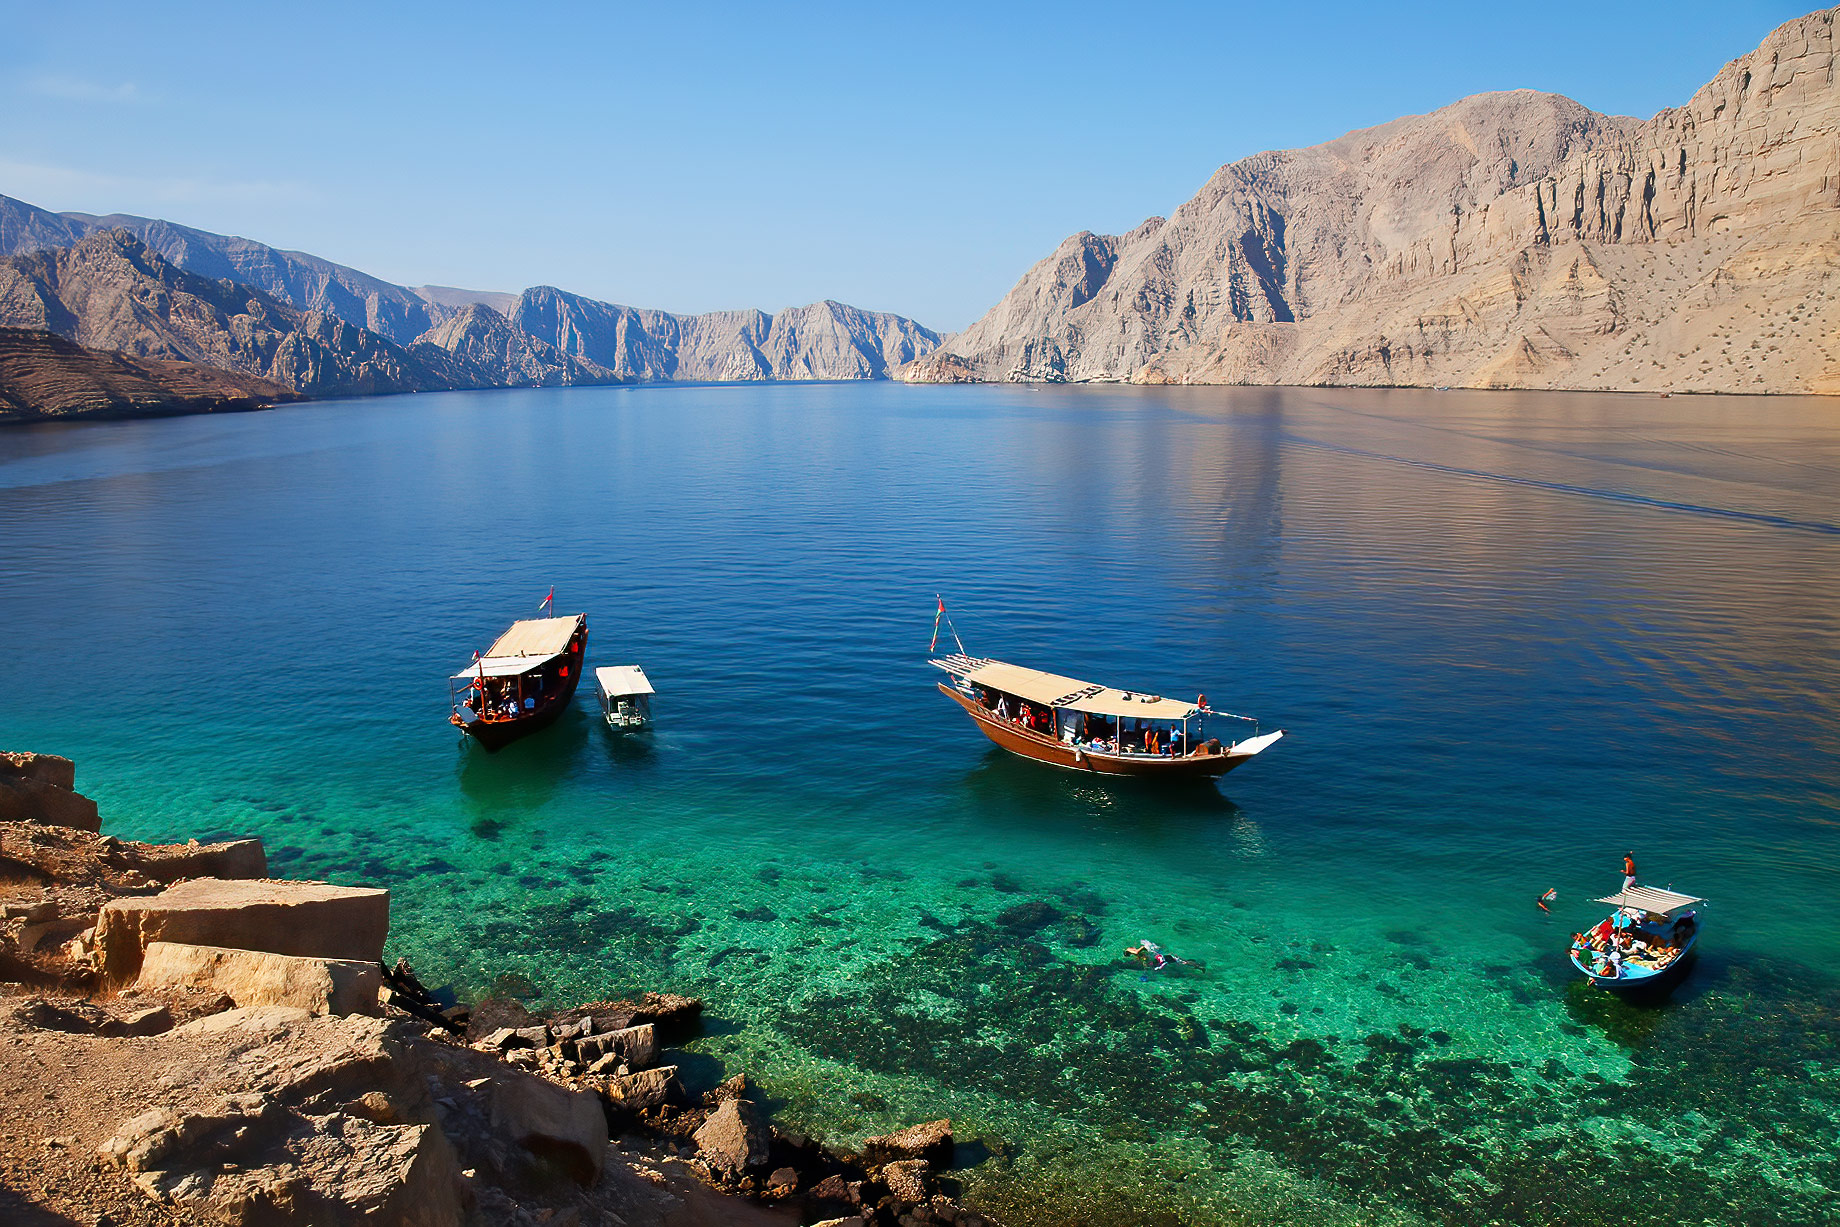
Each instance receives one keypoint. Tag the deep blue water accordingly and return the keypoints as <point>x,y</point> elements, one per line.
<point>1511,635</point>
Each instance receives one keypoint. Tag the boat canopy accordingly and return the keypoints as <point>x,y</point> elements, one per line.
<point>1651,899</point>
<point>623,679</point>
<point>543,637</point>
<point>502,667</point>
<point>1053,690</point>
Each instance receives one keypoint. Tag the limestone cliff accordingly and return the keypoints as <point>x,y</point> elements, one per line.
<point>1509,240</point>
<point>111,292</point>
<point>502,355</point>
<point>826,340</point>
<point>305,282</point>
<point>595,342</point>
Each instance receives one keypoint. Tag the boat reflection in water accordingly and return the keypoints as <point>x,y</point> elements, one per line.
<point>1082,726</point>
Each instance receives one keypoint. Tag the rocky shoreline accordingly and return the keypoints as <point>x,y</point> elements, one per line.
<point>183,1039</point>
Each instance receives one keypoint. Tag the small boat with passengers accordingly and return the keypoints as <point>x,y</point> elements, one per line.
<point>1644,946</point>
<point>1083,726</point>
<point>522,683</point>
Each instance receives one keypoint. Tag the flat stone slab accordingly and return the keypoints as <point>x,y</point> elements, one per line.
<point>308,919</point>
<point>257,978</point>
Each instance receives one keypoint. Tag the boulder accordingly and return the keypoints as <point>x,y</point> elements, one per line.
<point>733,1140</point>
<point>906,1180</point>
<point>235,858</point>
<point>52,769</point>
<point>646,1089</point>
<point>310,919</point>
<point>734,1088</point>
<point>24,799</point>
<point>552,1122</point>
<point>931,1141</point>
<point>248,1159</point>
<point>252,977</point>
<point>637,1046</point>
<point>836,1188</point>
<point>675,1017</point>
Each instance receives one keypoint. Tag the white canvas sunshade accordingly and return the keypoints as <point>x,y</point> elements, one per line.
<point>534,637</point>
<point>503,667</point>
<point>1651,899</point>
<point>1053,690</point>
<point>623,679</point>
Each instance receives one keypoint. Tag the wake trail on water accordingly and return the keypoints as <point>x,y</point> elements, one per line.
<point>1614,496</point>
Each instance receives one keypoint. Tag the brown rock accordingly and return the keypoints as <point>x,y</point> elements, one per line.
<point>646,1089</point>
<point>31,800</point>
<point>565,1126</point>
<point>637,1046</point>
<point>931,1141</point>
<point>783,1181</point>
<point>52,769</point>
<point>734,1088</point>
<point>253,978</point>
<point>836,1188</point>
<point>673,1016</point>
<point>733,1140</point>
<point>906,1180</point>
<point>310,919</point>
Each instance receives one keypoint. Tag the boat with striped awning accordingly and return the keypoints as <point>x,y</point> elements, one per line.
<point>1086,726</point>
<point>1645,945</point>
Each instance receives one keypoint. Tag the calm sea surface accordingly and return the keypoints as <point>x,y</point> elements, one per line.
<point>1512,636</point>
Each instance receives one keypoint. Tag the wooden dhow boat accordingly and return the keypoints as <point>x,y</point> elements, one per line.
<point>1644,946</point>
<point>523,682</point>
<point>1083,726</point>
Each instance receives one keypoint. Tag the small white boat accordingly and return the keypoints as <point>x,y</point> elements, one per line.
<point>626,696</point>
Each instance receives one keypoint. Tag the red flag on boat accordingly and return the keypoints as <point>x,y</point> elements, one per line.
<point>936,617</point>
<point>548,600</point>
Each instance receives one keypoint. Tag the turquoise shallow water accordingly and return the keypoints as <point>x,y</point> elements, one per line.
<point>1512,635</point>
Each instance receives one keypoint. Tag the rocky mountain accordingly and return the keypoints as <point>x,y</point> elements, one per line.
<point>42,375</point>
<point>543,336</point>
<point>303,281</point>
<point>487,343</point>
<point>826,340</point>
<point>111,292</point>
<point>1510,240</point>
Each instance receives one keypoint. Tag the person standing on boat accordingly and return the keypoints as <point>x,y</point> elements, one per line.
<point>1629,870</point>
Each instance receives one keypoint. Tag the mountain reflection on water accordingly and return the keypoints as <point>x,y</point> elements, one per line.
<point>1511,635</point>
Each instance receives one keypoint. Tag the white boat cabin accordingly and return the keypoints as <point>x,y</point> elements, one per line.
<point>626,696</point>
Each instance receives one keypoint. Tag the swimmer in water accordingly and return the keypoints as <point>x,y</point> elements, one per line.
<point>1548,897</point>
<point>1148,953</point>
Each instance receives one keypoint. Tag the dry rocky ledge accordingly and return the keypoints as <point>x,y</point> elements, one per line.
<point>183,1040</point>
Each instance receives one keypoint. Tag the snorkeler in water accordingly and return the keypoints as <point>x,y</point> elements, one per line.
<point>1551,894</point>
<point>1156,958</point>
<point>1148,953</point>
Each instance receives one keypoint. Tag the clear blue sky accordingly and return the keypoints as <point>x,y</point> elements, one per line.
<point>911,158</point>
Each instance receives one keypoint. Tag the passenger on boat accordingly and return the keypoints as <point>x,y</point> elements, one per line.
<point>1629,870</point>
